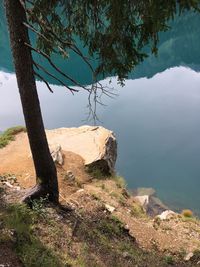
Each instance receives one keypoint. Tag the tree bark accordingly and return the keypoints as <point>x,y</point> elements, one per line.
<point>46,175</point>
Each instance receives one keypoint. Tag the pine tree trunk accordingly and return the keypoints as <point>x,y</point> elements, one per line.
<point>44,165</point>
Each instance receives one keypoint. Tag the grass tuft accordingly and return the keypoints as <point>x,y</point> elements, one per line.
<point>187,213</point>
<point>20,221</point>
<point>9,135</point>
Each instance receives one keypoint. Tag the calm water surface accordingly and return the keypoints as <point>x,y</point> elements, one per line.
<point>156,121</point>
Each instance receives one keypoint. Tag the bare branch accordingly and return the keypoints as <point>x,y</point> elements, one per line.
<point>96,91</point>
<point>54,66</point>
<point>47,84</point>
<point>72,90</point>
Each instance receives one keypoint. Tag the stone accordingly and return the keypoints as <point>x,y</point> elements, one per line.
<point>69,176</point>
<point>167,214</point>
<point>80,191</point>
<point>95,144</point>
<point>126,255</point>
<point>188,256</point>
<point>142,200</point>
<point>55,150</point>
<point>109,208</point>
<point>146,197</point>
<point>155,206</point>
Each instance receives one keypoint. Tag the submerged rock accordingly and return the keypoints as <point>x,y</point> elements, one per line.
<point>147,199</point>
<point>142,200</point>
<point>141,191</point>
<point>95,144</point>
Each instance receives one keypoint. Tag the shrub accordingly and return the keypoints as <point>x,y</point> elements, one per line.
<point>187,213</point>
<point>120,182</point>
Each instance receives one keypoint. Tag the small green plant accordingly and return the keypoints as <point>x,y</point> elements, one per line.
<point>95,196</point>
<point>122,200</point>
<point>120,181</point>
<point>187,213</point>
<point>137,211</point>
<point>9,135</point>
<point>20,220</point>
<point>169,259</point>
<point>95,173</point>
<point>197,254</point>
<point>38,205</point>
<point>114,195</point>
<point>103,187</point>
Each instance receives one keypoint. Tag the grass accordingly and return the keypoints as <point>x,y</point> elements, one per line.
<point>137,211</point>
<point>21,220</point>
<point>9,135</point>
<point>109,238</point>
<point>47,236</point>
<point>120,181</point>
<point>168,260</point>
<point>96,173</point>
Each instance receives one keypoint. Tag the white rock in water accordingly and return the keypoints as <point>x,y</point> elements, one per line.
<point>55,150</point>
<point>95,144</point>
<point>167,214</point>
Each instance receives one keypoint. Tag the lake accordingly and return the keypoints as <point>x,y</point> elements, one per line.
<point>156,122</point>
<point>156,119</point>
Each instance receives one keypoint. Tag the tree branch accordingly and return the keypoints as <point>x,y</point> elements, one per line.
<point>54,66</point>
<point>47,84</point>
<point>72,90</point>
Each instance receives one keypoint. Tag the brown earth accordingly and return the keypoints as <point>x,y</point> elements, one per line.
<point>86,194</point>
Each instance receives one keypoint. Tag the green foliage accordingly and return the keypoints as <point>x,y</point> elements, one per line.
<point>137,211</point>
<point>9,135</point>
<point>115,33</point>
<point>38,206</point>
<point>95,172</point>
<point>20,220</point>
<point>169,260</point>
<point>120,181</point>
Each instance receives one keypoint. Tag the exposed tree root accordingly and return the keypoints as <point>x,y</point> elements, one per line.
<point>38,191</point>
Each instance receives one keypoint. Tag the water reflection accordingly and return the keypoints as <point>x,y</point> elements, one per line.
<point>156,121</point>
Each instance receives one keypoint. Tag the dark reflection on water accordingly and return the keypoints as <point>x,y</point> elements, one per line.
<point>157,123</point>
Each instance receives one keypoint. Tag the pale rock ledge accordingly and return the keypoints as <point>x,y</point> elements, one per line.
<point>95,144</point>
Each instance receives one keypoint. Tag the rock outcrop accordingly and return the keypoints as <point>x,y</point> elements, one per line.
<point>95,144</point>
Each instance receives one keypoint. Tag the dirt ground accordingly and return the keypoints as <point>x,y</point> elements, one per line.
<point>176,235</point>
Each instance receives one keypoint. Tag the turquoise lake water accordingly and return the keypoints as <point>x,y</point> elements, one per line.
<point>156,120</point>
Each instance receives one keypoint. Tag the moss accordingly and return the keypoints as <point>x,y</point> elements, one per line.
<point>9,135</point>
